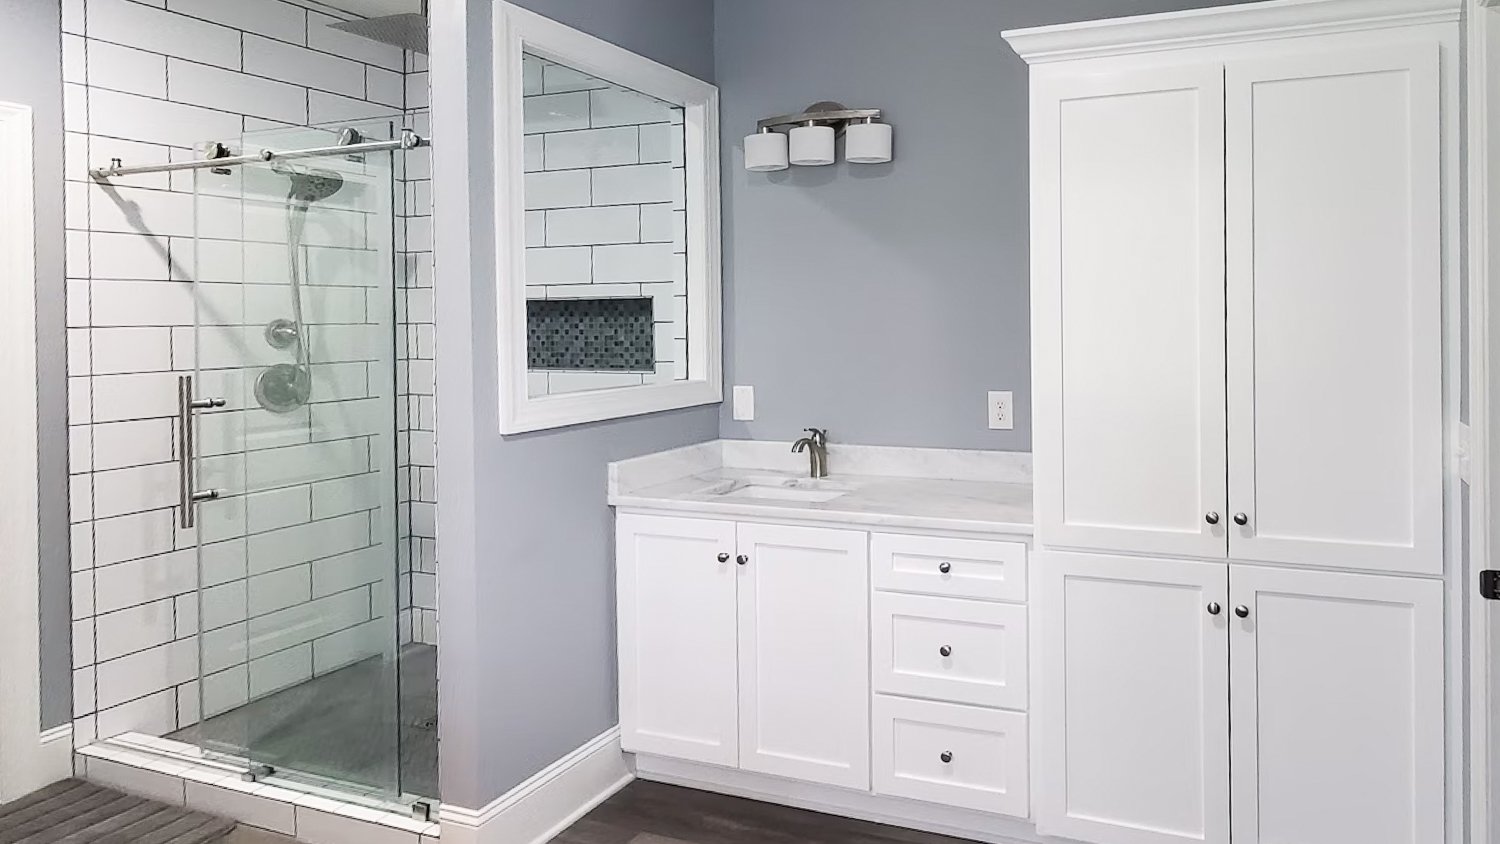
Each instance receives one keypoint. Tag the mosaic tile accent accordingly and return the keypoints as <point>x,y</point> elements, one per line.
<point>602,335</point>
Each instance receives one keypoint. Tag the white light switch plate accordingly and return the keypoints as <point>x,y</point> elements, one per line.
<point>1002,410</point>
<point>744,404</point>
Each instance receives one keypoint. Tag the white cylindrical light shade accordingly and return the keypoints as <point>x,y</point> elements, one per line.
<point>812,146</point>
<point>868,143</point>
<point>765,152</point>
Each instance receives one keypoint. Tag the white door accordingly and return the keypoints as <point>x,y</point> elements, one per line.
<point>1128,310</point>
<point>805,654</point>
<point>1132,699</point>
<point>1334,304</point>
<point>1337,707</point>
<point>676,593</point>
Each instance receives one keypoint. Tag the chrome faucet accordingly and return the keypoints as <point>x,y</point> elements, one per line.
<point>816,445</point>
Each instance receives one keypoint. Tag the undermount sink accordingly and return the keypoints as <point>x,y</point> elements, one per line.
<point>807,490</point>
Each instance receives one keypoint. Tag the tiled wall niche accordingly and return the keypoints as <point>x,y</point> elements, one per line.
<point>146,82</point>
<point>606,212</point>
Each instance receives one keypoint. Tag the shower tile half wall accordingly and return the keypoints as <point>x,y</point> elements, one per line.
<point>147,82</point>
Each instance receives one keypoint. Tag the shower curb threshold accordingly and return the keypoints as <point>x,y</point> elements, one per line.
<point>181,774</point>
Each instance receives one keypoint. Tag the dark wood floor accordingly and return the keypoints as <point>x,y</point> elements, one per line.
<point>652,813</point>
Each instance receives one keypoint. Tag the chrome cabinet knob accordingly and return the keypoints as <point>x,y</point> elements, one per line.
<point>1242,611</point>
<point>945,567</point>
<point>1214,608</point>
<point>1241,519</point>
<point>1211,517</point>
<point>946,650</point>
<point>946,756</point>
<point>742,559</point>
<point>723,556</point>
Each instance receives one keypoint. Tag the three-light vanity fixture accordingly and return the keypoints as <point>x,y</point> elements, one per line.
<point>809,139</point>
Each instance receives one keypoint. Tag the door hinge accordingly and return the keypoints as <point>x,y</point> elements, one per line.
<point>1489,584</point>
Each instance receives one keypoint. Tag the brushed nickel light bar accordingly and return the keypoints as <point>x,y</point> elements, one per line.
<point>408,140</point>
<point>809,136</point>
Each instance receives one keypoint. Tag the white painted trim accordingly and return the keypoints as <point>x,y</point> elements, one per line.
<point>831,800</point>
<point>549,802</point>
<point>517,30</point>
<point>1224,25</point>
<point>26,762</point>
<point>1478,659</point>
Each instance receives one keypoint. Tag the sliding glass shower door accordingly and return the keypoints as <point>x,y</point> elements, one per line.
<point>294,275</point>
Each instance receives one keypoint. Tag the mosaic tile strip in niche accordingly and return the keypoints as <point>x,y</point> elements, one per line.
<point>614,334</point>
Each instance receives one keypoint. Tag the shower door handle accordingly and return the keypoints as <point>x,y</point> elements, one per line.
<point>187,497</point>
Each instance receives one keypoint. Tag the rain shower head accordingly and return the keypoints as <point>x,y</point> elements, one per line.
<point>308,184</point>
<point>408,31</point>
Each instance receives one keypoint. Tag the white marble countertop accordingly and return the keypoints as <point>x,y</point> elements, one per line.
<point>937,489</point>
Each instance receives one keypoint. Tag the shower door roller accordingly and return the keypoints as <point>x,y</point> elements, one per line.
<point>188,498</point>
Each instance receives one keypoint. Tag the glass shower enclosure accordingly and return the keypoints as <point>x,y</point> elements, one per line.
<point>295,474</point>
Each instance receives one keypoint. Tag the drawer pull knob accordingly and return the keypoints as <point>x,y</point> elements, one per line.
<point>1211,517</point>
<point>1241,519</point>
<point>947,756</point>
<point>1213,607</point>
<point>945,567</point>
<point>723,556</point>
<point>946,650</point>
<point>1242,611</point>
<point>742,559</point>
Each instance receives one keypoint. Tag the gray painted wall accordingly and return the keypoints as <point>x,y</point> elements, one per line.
<point>31,44</point>
<point>882,302</point>
<point>527,589</point>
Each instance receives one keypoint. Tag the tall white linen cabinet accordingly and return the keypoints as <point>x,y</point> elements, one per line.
<point>1244,268</point>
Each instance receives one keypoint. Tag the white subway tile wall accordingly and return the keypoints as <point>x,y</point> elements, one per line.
<point>606,213</point>
<point>294,576</point>
<point>416,401</point>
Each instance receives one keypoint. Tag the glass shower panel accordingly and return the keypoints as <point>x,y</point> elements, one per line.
<point>298,558</point>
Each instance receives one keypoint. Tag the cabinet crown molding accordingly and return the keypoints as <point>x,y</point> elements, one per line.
<point>1222,25</point>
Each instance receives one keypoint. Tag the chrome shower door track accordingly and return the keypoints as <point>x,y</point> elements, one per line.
<point>408,140</point>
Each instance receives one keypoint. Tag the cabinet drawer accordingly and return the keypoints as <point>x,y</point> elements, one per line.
<point>954,755</point>
<point>949,649</point>
<point>960,568</point>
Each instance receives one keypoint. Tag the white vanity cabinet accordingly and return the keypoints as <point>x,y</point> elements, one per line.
<point>745,645</point>
<point>893,665</point>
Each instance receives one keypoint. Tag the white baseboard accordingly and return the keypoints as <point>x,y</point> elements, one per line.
<point>541,807</point>
<point>892,811</point>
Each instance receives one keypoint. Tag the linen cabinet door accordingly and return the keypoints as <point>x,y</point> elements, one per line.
<point>1131,699</point>
<point>1337,707</point>
<point>1335,297</point>
<point>1128,310</point>
<point>678,649</point>
<point>805,654</point>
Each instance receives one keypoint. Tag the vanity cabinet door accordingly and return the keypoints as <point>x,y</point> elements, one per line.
<point>805,654</point>
<point>1337,707</point>
<point>1131,700</point>
<point>1335,307</point>
<point>677,649</point>
<point>1128,309</point>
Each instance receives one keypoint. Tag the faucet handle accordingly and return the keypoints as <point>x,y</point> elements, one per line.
<point>819,435</point>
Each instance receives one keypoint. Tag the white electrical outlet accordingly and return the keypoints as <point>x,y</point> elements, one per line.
<point>1002,410</point>
<point>744,404</point>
